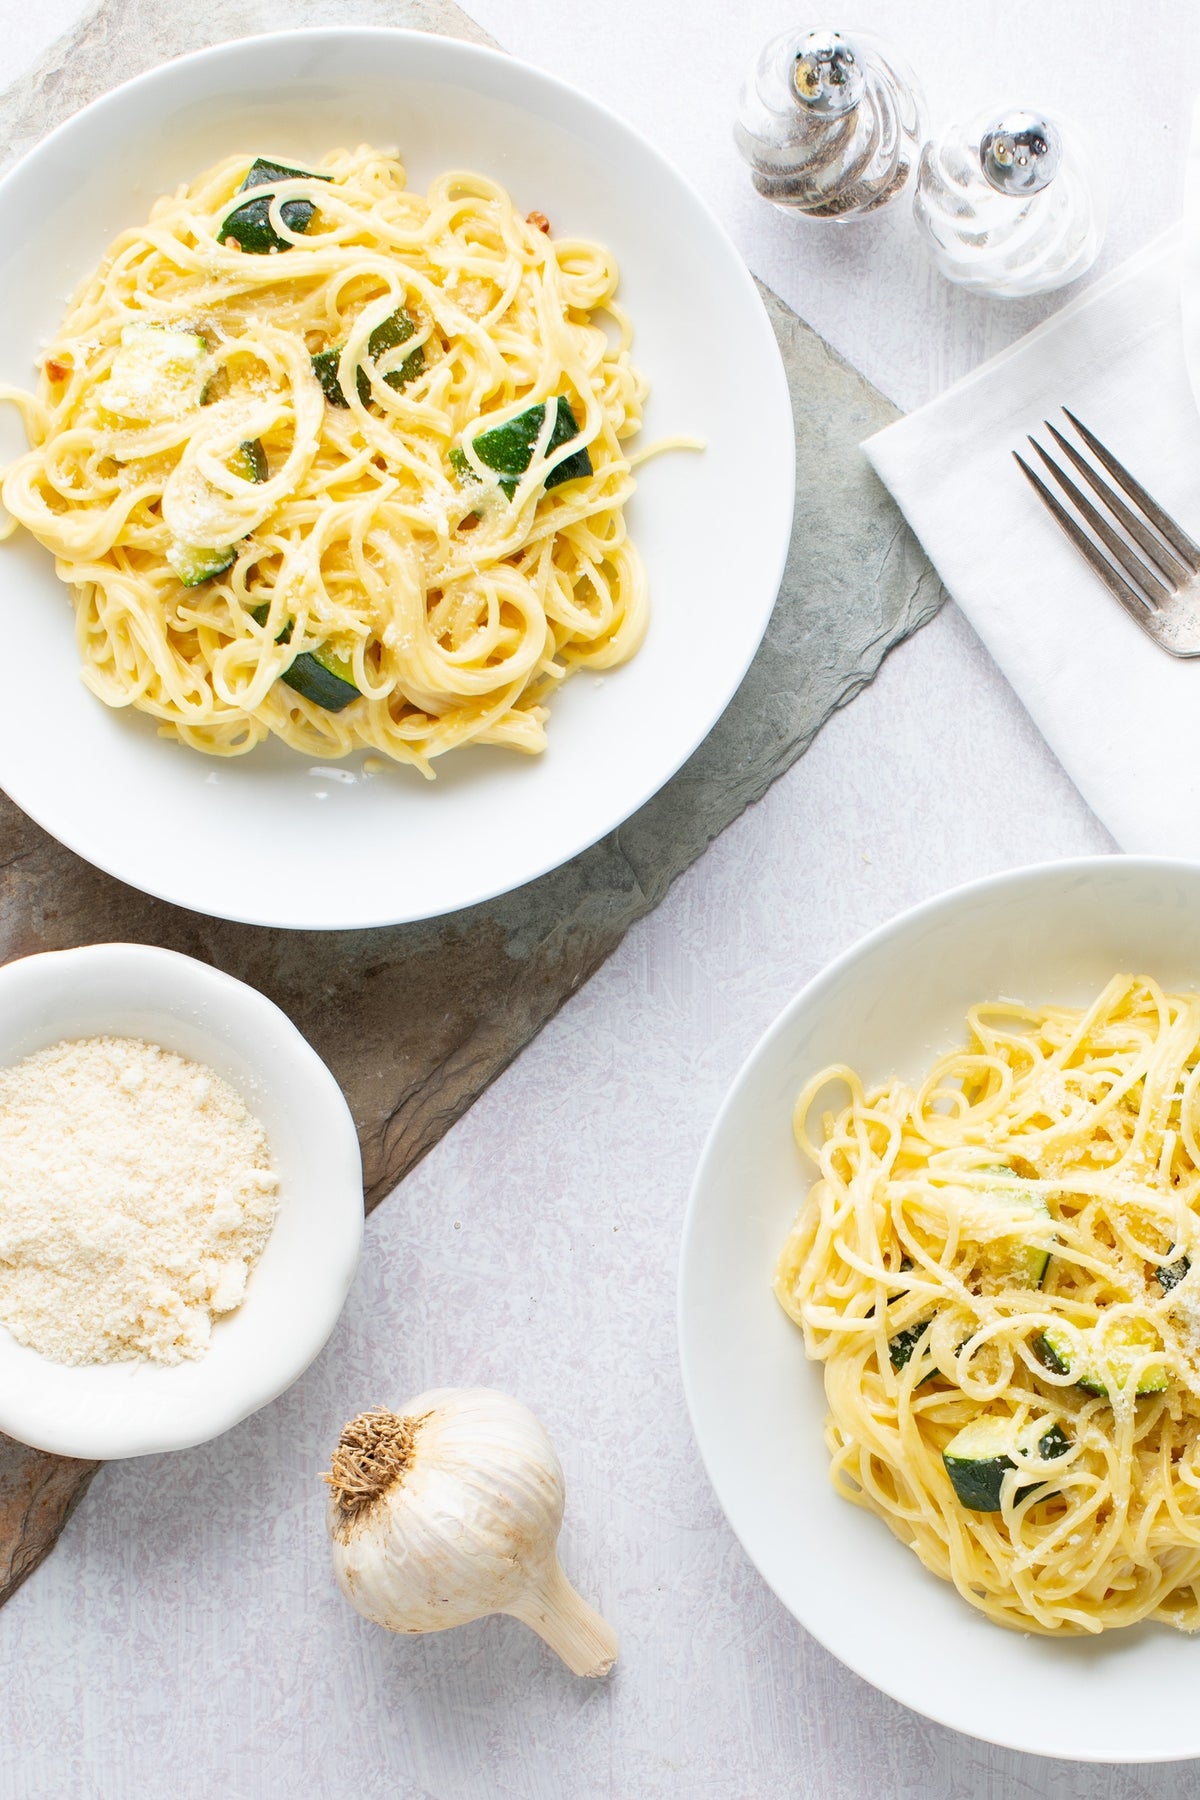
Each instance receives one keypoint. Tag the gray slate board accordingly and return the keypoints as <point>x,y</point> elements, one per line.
<point>416,1020</point>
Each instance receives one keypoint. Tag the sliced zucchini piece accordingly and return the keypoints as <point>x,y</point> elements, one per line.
<point>1169,1275</point>
<point>250,224</point>
<point>251,461</point>
<point>325,368</point>
<point>982,1453</point>
<point>1127,1342</point>
<point>396,329</point>
<point>158,373</point>
<point>216,386</point>
<point>325,679</point>
<point>1025,1264</point>
<point>194,564</point>
<point>508,448</point>
<point>901,1347</point>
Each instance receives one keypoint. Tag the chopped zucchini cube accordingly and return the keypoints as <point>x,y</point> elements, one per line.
<point>901,1347</point>
<point>1126,1342</point>
<point>1023,1264</point>
<point>249,225</point>
<point>1169,1275</point>
<point>325,368</point>
<point>508,448</point>
<point>251,461</point>
<point>1054,1352</point>
<point>193,564</point>
<point>320,676</point>
<point>395,330</point>
<point>158,373</point>
<point>982,1453</point>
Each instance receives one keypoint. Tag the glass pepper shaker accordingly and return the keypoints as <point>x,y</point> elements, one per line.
<point>831,125</point>
<point>1009,204</point>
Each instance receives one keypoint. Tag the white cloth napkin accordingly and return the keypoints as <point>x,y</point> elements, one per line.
<point>1122,717</point>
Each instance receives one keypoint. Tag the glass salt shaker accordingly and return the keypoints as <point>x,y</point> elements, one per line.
<point>831,125</point>
<point>1009,204</point>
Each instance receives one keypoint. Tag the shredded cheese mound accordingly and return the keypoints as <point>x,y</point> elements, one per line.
<point>136,1194</point>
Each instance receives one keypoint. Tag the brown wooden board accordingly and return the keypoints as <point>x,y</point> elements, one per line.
<point>415,1020</point>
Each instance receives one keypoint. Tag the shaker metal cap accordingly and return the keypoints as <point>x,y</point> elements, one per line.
<point>1020,153</point>
<point>829,74</point>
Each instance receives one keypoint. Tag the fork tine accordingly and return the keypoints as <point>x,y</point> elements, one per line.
<point>1116,583</point>
<point>1173,572</point>
<point>1174,534</point>
<point>1136,570</point>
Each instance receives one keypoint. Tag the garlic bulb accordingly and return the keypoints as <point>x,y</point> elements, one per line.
<point>450,1510</point>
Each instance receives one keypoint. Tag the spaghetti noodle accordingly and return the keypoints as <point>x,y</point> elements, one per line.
<point>1000,1270</point>
<point>327,459</point>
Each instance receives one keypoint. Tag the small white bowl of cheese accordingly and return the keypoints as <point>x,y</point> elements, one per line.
<point>136,1192</point>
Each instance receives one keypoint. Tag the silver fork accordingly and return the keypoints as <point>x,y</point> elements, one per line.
<point>1160,589</point>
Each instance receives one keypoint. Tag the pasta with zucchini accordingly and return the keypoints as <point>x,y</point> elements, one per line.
<point>327,459</point>
<point>1000,1271</point>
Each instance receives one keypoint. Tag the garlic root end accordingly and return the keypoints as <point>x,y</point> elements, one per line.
<point>573,1629</point>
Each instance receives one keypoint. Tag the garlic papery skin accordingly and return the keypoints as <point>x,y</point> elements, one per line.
<point>450,1510</point>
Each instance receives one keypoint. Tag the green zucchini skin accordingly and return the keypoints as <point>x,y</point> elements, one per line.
<point>1039,1263</point>
<point>253,460</point>
<point>901,1347</point>
<point>1029,1263</point>
<point>325,368</point>
<point>309,676</point>
<point>250,224</point>
<point>1169,1275</point>
<point>1056,1353</point>
<point>396,329</point>
<point>312,675</point>
<point>979,1479</point>
<point>1049,1357</point>
<point>194,565</point>
<point>508,448</point>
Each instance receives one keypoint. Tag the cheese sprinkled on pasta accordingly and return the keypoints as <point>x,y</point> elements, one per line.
<point>1000,1271</point>
<point>331,460</point>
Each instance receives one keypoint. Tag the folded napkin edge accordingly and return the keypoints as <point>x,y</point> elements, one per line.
<point>1164,244</point>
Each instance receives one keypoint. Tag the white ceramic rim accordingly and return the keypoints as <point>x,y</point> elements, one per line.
<point>779,455</point>
<point>239,1021</point>
<point>847,1645</point>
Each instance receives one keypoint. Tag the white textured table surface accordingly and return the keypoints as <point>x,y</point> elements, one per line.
<point>186,1639</point>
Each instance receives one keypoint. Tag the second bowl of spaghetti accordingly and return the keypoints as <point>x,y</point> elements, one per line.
<point>966,1160</point>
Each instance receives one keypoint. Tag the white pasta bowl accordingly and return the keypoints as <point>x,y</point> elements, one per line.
<point>295,1291</point>
<point>274,837</point>
<point>891,1005</point>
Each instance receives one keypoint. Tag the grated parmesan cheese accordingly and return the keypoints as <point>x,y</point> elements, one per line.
<point>136,1194</point>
